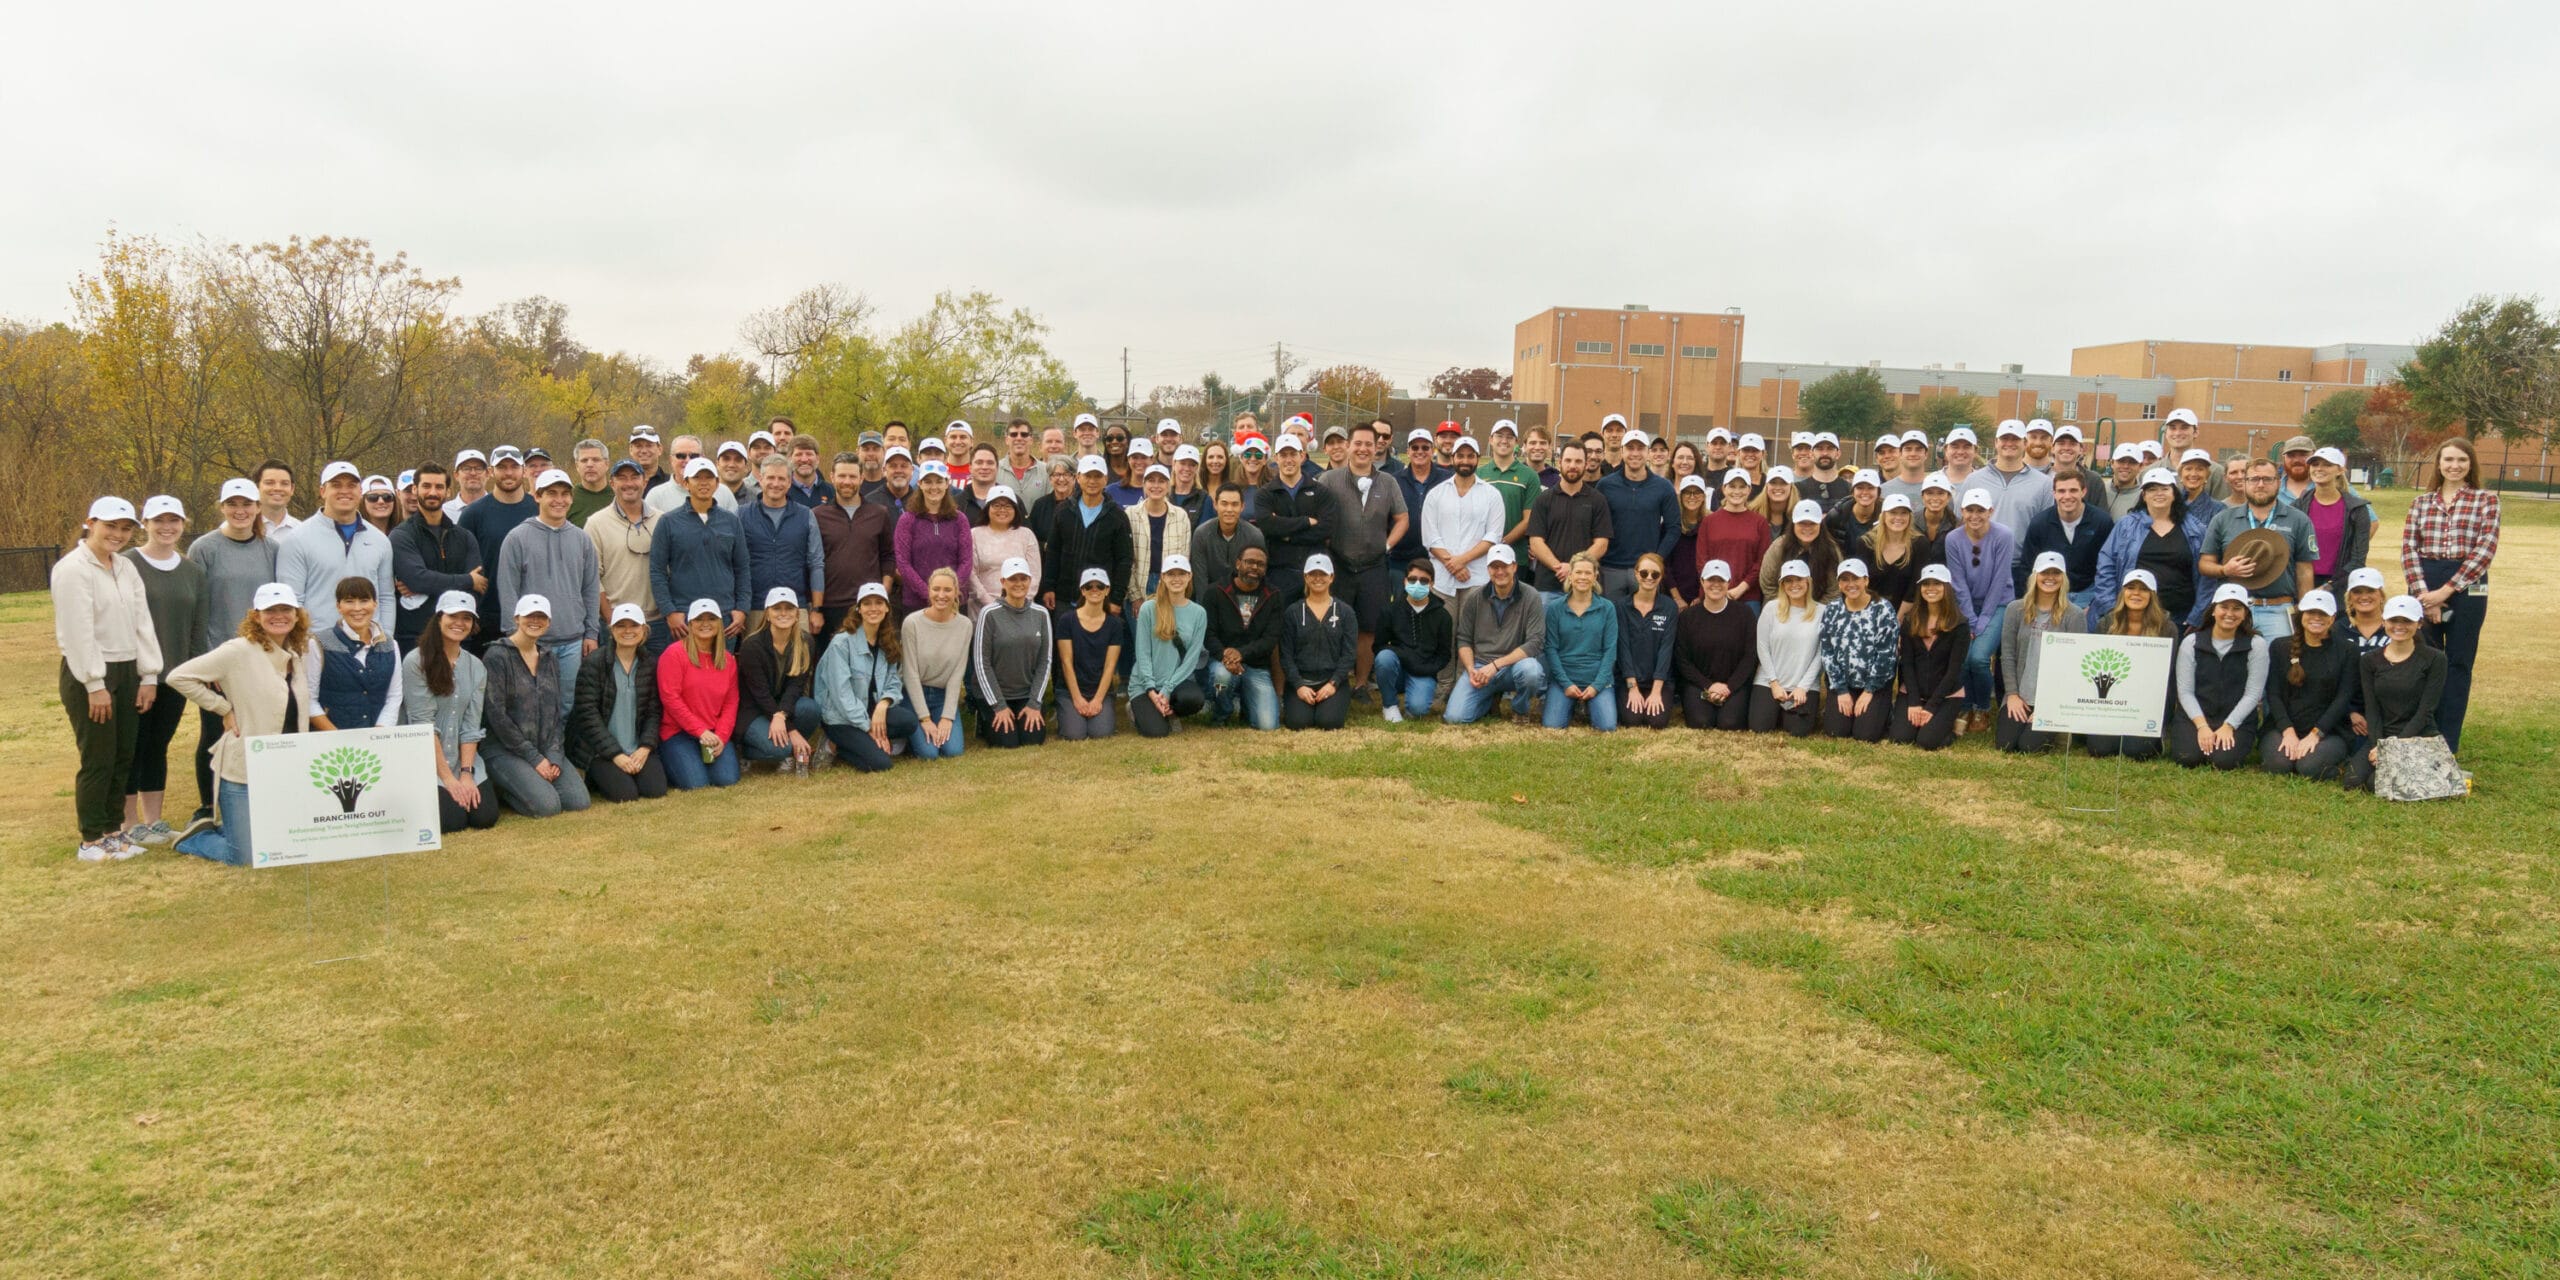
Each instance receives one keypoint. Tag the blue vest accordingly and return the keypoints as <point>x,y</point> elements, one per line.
<point>353,698</point>
<point>777,555</point>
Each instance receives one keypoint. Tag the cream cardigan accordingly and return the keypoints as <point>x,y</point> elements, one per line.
<point>245,681</point>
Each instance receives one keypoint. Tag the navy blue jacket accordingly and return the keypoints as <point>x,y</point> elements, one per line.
<point>1643,516</point>
<point>1410,549</point>
<point>778,554</point>
<point>692,559</point>
<point>2044,533</point>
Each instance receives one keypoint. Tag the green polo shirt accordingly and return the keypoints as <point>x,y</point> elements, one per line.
<point>1518,485</point>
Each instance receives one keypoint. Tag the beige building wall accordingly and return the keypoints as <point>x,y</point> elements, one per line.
<point>1670,372</point>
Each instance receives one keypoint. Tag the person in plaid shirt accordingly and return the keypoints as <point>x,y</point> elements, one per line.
<point>2445,549</point>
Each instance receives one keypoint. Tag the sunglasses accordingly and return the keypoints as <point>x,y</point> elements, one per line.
<point>1647,575</point>
<point>687,457</point>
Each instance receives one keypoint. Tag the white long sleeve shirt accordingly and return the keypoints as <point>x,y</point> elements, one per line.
<point>1453,522</point>
<point>101,616</point>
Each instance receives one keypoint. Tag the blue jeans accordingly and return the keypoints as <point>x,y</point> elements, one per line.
<point>682,755</point>
<point>1524,680</point>
<point>566,653</point>
<point>920,749</point>
<point>228,843</point>
<point>1416,692</point>
<point>1601,710</point>
<point>1252,688</point>
<point>758,735</point>
<point>2081,599</point>
<point>1977,667</point>
<point>2273,621</point>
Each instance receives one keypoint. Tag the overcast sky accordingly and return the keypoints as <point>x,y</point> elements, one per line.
<point>1376,182</point>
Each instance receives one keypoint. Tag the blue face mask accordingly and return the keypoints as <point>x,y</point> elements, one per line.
<point>1417,591</point>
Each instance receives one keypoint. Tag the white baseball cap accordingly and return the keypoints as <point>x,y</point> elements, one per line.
<point>1751,440</point>
<point>532,603</point>
<point>2187,416</point>
<point>1937,480</point>
<point>1866,476</point>
<point>2068,432</point>
<point>111,508</point>
<point>1002,493</point>
<point>765,436</point>
<point>1142,448</point>
<point>2159,476</point>
<point>1175,562</point>
<point>1088,578</point>
<point>627,612</point>
<point>2364,576</point>
<point>2051,560</point>
<point>1718,433</point>
<point>1155,469</point>
<point>2317,600</point>
<point>1636,437</point>
<point>1167,424</point>
<point>162,504</point>
<point>1808,512</point>
<point>1716,569</point>
<point>933,443</point>
<point>1289,441</point>
<point>468,456</point>
<point>960,425</point>
<point>549,478</point>
<point>2332,456</point>
<point>897,451</point>
<point>1777,474</point>
<point>1092,464</point>
<point>1618,418</point>
<point>1804,438</point>
<point>1501,425</point>
<point>2010,427</point>
<point>1794,569</point>
<point>933,469</point>
<point>1896,502</point>
<point>1893,440</point>
<point>1937,573</point>
<point>1419,435</point>
<point>700,467</point>
<point>2143,576</point>
<point>1087,420</point>
<point>2195,455</point>
<point>1831,438</point>
<point>1187,453</point>
<point>1962,433</point>
<point>1469,444</point>
<point>2231,592</point>
<point>1319,563</point>
<point>1978,498</point>
<point>458,602</point>
<point>1734,475</point>
<point>236,488</point>
<point>379,484</point>
<point>2035,425</point>
<point>1698,483</point>
<point>1852,567</point>
<point>732,446</point>
<point>506,453</point>
<point>336,469</point>
<point>871,591</point>
<point>1017,567</point>
<point>408,478</point>
<point>1502,554</point>
<point>2404,607</point>
<point>275,595</point>
<point>703,608</point>
<point>782,595</point>
<point>643,432</point>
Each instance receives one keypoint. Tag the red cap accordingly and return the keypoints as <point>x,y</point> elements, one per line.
<point>1449,429</point>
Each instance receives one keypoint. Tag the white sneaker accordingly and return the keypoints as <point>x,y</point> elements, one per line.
<point>1394,714</point>
<point>92,851</point>
<point>122,847</point>
<point>157,832</point>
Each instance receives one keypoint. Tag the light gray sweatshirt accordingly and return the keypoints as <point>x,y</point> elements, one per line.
<point>558,564</point>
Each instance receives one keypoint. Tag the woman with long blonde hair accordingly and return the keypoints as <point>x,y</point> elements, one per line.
<point>2045,607</point>
<point>2136,612</point>
<point>778,718</point>
<point>1167,644</point>
<point>265,680</point>
<point>1790,666</point>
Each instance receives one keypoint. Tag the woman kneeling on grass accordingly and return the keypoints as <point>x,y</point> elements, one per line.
<point>934,645</point>
<point>2047,607</point>
<point>776,716</point>
<point>1582,651</point>
<point>1715,653</point>
<point>613,723</point>
<point>443,684</point>
<point>1790,656</point>
<point>698,703</point>
<point>2136,612</point>
<point>528,744</point>
<point>1165,650</point>
<point>1011,650</point>
<point>1934,640</point>
<point>2403,684</point>
<point>2222,675</point>
<point>2309,695</point>
<point>1318,640</point>
<point>862,692</point>
<point>1860,639</point>
<point>1091,641</point>
<point>266,680</point>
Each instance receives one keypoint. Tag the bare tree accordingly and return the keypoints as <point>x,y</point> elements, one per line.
<point>785,335</point>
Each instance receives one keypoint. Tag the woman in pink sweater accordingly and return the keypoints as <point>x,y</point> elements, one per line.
<point>698,703</point>
<point>931,535</point>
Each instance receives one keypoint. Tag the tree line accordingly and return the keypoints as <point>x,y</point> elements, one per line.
<point>184,365</point>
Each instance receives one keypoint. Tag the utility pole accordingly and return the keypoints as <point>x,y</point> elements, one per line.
<point>1124,379</point>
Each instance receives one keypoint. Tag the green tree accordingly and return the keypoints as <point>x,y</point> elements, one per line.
<point>723,399</point>
<point>2332,422</point>
<point>1852,404</point>
<point>2492,369</point>
<point>1938,414</point>
<point>1357,387</point>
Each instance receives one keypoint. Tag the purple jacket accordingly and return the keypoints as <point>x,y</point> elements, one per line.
<point>1983,584</point>
<point>925,544</point>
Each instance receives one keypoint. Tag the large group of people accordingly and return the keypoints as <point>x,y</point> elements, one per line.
<point>664,618</point>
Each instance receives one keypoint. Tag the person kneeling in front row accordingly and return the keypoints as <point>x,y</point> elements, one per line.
<point>613,719</point>
<point>2221,675</point>
<point>1501,633</point>
<point>861,685</point>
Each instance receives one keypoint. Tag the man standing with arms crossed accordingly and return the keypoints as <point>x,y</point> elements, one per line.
<point>1644,515</point>
<point>1567,520</point>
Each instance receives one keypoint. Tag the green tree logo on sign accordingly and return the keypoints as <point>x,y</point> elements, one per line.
<point>2105,668</point>
<point>345,773</point>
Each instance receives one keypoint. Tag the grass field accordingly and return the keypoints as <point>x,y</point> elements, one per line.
<point>1403,1001</point>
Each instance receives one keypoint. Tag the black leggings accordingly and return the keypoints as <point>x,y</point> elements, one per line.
<point>2323,762</point>
<point>855,747</point>
<point>1658,720</point>
<point>151,747</point>
<point>2189,751</point>
<point>1152,723</point>
<point>453,817</point>
<point>1800,720</point>
<point>208,732</point>
<point>1328,714</point>
<point>1868,726</point>
<point>1017,736</point>
<point>2102,746</point>
<point>2016,735</point>
<point>1929,737</point>
<point>1733,713</point>
<point>607,782</point>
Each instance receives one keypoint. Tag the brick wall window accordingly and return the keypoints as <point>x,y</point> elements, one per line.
<point>1697,353</point>
<point>1593,348</point>
<point>1644,348</point>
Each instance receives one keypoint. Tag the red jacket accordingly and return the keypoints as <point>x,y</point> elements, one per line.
<point>1741,540</point>
<point>695,700</point>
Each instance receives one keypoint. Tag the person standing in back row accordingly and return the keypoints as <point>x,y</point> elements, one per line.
<point>175,588</point>
<point>2446,545</point>
<point>1372,520</point>
<point>110,671</point>
<point>1644,516</point>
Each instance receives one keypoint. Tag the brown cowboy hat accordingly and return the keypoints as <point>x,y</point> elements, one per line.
<point>2271,551</point>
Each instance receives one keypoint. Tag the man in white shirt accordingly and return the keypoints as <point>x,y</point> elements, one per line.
<point>668,497</point>
<point>1461,521</point>
<point>275,498</point>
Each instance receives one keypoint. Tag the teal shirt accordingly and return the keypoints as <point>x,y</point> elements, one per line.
<point>1581,650</point>
<point>1161,666</point>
